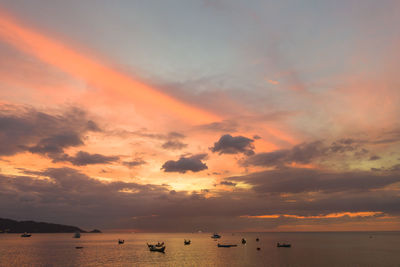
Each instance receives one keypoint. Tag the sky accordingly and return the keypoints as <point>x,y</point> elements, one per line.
<point>201,115</point>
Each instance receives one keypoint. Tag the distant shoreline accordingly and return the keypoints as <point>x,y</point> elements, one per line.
<point>17,227</point>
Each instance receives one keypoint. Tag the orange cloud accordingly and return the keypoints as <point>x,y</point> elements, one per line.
<point>96,73</point>
<point>327,216</point>
<point>273,82</point>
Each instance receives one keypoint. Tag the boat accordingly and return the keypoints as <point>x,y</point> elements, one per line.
<point>121,241</point>
<point>257,239</point>
<point>157,249</point>
<point>225,246</point>
<point>156,245</point>
<point>26,235</point>
<point>78,247</point>
<point>283,245</point>
<point>77,235</point>
<point>186,242</point>
<point>215,235</point>
<point>258,248</point>
<point>243,241</point>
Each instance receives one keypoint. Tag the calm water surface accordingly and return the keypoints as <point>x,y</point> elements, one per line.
<point>308,249</point>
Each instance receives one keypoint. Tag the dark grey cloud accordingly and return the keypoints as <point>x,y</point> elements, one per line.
<point>303,153</point>
<point>68,195</point>
<point>296,180</point>
<point>229,144</point>
<point>183,164</point>
<point>388,137</point>
<point>227,183</point>
<point>27,129</point>
<point>175,135</point>
<point>308,152</point>
<point>343,145</point>
<point>374,157</point>
<point>134,163</point>
<point>55,144</point>
<point>227,126</point>
<point>71,197</point>
<point>395,167</point>
<point>173,141</point>
<point>174,145</point>
<point>83,158</point>
<point>159,136</point>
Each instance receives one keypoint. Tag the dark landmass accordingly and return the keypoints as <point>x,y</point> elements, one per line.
<point>12,226</point>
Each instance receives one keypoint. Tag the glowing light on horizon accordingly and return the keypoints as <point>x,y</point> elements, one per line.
<point>327,216</point>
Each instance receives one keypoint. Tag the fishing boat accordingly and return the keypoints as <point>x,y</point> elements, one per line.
<point>257,239</point>
<point>225,246</point>
<point>283,245</point>
<point>120,241</point>
<point>186,242</point>
<point>156,245</point>
<point>215,235</point>
<point>243,241</point>
<point>78,247</point>
<point>26,235</point>
<point>157,249</point>
<point>77,235</point>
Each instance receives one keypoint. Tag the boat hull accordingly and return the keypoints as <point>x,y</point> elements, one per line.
<point>226,246</point>
<point>157,249</point>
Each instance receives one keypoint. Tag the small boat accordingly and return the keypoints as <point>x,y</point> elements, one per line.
<point>26,235</point>
<point>78,247</point>
<point>120,241</point>
<point>157,249</point>
<point>258,248</point>
<point>156,245</point>
<point>257,239</point>
<point>77,235</point>
<point>225,246</point>
<point>283,245</point>
<point>243,241</point>
<point>186,242</point>
<point>215,235</point>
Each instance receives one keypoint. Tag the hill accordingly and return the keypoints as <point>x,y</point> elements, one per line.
<point>12,226</point>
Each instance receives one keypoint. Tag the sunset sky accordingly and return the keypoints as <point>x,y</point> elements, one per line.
<point>209,115</point>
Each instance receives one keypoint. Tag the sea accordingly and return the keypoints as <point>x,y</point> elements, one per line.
<point>307,249</point>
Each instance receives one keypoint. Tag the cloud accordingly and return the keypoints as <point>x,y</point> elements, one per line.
<point>306,153</point>
<point>223,126</point>
<point>134,163</point>
<point>97,73</point>
<point>27,129</point>
<point>174,145</point>
<point>297,180</point>
<point>83,158</point>
<point>272,82</point>
<point>227,183</point>
<point>343,145</point>
<point>374,157</point>
<point>171,136</point>
<point>65,195</point>
<point>193,163</point>
<point>228,144</point>
<point>55,144</point>
<point>175,135</point>
<point>302,153</point>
